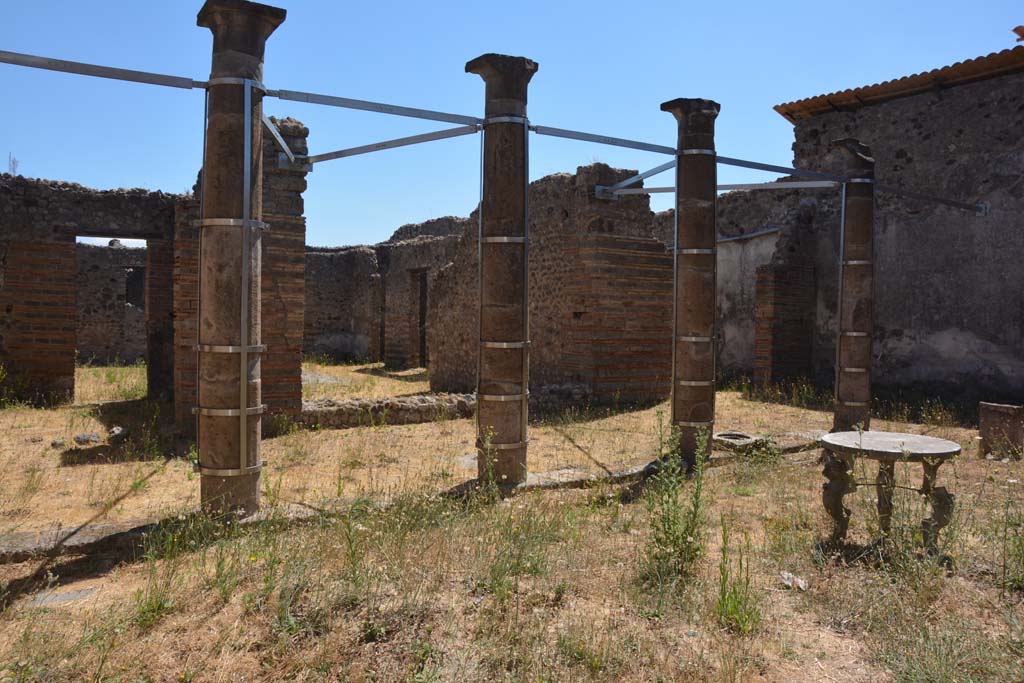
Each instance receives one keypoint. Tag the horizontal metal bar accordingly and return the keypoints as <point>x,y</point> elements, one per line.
<point>602,139</point>
<point>222,348</point>
<point>229,223</point>
<point>643,190</point>
<point>504,239</point>
<point>504,345</point>
<point>228,412</point>
<point>695,382</point>
<point>229,471</point>
<point>855,334</point>
<point>391,144</point>
<point>697,152</point>
<point>757,165</point>
<point>856,263</point>
<point>505,119</point>
<point>868,181</point>
<point>697,340</point>
<point>793,185</point>
<point>276,134</point>
<point>853,404</point>
<point>854,370</point>
<point>234,80</point>
<point>84,69</point>
<point>693,424</point>
<point>501,398</point>
<point>640,176</point>
<point>379,107</point>
<point>502,446</point>
<point>695,251</point>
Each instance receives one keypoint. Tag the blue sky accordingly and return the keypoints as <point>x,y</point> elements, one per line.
<point>604,67</point>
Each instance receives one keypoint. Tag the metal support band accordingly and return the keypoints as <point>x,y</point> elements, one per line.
<point>220,348</point>
<point>504,240</point>
<point>502,446</point>
<point>501,398</point>
<point>705,152</point>
<point>853,404</point>
<point>855,334</point>
<point>229,223</point>
<point>696,383</point>
<point>504,345</point>
<point>860,180</point>
<point>856,263</point>
<point>695,424</point>
<point>698,340</point>
<point>228,412</point>
<point>231,80</point>
<point>854,370</point>
<point>696,251</point>
<point>506,119</point>
<point>228,472</point>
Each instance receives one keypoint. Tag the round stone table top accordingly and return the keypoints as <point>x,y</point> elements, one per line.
<point>890,445</point>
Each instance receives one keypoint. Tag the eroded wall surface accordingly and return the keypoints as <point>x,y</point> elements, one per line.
<point>343,303</point>
<point>949,286</point>
<point>111,304</point>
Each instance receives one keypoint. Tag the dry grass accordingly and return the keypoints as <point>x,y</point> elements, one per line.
<point>323,379</point>
<point>395,583</point>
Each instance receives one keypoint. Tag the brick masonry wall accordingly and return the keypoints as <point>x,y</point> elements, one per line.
<point>110,328</point>
<point>39,220</point>
<point>784,322</point>
<point>619,328</point>
<point>37,327</point>
<point>283,285</point>
<point>343,303</point>
<point>562,206</point>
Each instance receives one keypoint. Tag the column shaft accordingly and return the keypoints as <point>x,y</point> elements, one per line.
<point>230,258</point>
<point>695,305</point>
<point>504,356</point>
<point>856,269</point>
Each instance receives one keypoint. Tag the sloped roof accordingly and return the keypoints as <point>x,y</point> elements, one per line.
<point>996,64</point>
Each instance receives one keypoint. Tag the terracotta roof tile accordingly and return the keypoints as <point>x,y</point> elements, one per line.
<point>996,64</point>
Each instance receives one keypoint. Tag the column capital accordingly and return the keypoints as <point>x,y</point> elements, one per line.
<point>858,160</point>
<point>696,119</point>
<point>240,28</point>
<point>683,108</point>
<point>507,78</point>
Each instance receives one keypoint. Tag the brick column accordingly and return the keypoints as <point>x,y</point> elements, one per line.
<point>504,361</point>
<point>693,360</point>
<point>230,257</point>
<point>284,274</point>
<point>853,341</point>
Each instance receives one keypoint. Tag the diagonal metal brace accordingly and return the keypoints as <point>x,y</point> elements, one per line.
<point>391,144</point>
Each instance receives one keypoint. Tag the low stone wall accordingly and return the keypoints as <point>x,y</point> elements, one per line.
<point>327,413</point>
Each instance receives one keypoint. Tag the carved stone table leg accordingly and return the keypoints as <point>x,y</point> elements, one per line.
<point>884,484</point>
<point>840,482</point>
<point>942,502</point>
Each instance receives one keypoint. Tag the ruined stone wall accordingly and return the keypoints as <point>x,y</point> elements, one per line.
<point>283,285</point>
<point>563,210</point>
<point>343,303</point>
<point>39,220</point>
<point>949,287</point>
<point>111,304</point>
<point>400,264</point>
<point>435,227</point>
